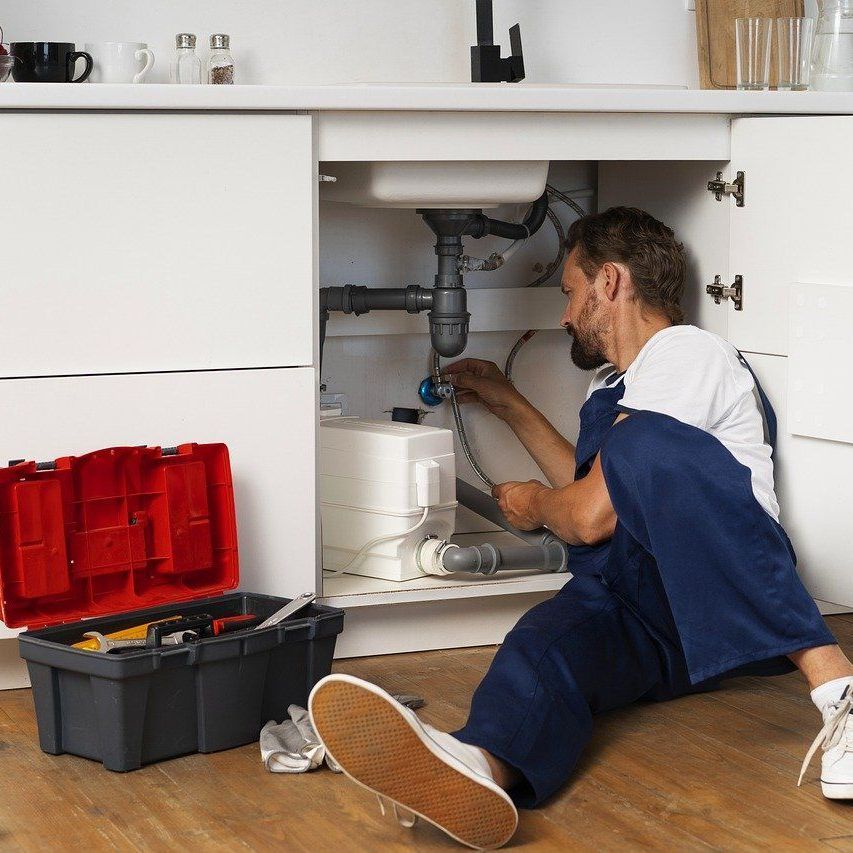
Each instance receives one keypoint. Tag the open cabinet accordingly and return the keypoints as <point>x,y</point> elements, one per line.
<point>794,325</point>
<point>378,360</point>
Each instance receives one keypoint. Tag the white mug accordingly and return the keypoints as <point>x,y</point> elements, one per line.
<point>120,61</point>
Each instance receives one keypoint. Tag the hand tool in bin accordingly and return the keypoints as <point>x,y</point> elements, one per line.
<point>288,610</point>
<point>136,632</point>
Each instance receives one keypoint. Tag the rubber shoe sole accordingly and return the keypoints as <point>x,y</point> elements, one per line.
<point>837,790</point>
<point>378,747</point>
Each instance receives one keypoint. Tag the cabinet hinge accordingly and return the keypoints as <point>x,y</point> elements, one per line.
<point>736,190</point>
<point>720,291</point>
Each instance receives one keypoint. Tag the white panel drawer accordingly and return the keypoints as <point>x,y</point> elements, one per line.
<point>266,417</point>
<point>156,241</point>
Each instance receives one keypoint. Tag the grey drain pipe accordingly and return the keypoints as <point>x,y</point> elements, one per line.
<point>544,552</point>
<point>487,507</point>
<point>487,559</point>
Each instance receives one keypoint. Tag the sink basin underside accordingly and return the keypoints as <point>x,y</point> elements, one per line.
<point>454,184</point>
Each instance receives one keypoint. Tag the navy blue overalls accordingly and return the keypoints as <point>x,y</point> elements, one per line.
<point>698,582</point>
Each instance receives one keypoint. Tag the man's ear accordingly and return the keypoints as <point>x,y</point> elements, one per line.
<point>613,280</point>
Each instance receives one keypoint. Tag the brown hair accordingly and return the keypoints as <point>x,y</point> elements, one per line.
<point>646,246</point>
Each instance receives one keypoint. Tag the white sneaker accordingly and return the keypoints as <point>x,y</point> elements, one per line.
<point>836,740</point>
<point>385,748</point>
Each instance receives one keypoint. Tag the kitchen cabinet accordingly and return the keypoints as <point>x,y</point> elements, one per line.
<point>266,417</point>
<point>145,241</point>
<point>170,237</point>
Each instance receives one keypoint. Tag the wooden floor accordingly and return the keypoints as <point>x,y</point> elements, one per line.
<point>713,771</point>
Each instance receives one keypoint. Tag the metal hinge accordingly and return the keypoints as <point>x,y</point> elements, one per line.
<point>737,190</point>
<point>720,291</point>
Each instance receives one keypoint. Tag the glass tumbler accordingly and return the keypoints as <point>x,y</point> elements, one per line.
<point>794,49</point>
<point>752,46</point>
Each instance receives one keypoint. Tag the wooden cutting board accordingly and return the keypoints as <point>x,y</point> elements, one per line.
<point>715,35</point>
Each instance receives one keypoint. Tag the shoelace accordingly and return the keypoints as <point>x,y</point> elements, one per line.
<point>408,822</point>
<point>833,729</point>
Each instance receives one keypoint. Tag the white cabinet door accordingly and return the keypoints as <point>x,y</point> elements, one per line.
<point>792,246</point>
<point>814,483</point>
<point>155,241</point>
<point>795,226</point>
<point>266,417</point>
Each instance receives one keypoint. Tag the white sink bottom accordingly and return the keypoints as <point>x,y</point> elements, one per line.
<point>454,184</point>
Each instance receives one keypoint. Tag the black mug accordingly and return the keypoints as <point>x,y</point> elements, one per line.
<point>47,62</point>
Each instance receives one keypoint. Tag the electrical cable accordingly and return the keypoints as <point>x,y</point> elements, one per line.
<point>362,553</point>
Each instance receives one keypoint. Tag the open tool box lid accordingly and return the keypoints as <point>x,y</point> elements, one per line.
<point>114,531</point>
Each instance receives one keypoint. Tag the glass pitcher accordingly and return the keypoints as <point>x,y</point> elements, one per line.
<point>832,58</point>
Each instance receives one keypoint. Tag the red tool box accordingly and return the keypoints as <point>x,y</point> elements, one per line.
<point>125,536</point>
<point>115,530</point>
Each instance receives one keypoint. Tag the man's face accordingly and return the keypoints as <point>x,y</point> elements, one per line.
<point>583,318</point>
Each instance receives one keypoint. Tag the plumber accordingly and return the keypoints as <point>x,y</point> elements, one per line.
<point>682,574</point>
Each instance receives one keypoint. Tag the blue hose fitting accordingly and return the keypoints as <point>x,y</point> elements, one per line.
<point>426,391</point>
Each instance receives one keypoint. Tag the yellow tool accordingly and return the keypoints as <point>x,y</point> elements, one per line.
<point>137,632</point>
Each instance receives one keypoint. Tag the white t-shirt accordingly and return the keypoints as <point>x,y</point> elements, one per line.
<point>697,378</point>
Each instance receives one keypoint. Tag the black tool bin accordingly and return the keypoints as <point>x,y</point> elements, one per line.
<point>134,708</point>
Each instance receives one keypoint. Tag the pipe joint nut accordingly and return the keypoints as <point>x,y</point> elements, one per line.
<point>429,555</point>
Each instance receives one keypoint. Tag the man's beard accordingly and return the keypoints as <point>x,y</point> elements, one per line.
<point>587,344</point>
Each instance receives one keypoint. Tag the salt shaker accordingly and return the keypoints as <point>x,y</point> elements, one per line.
<point>220,66</point>
<point>186,66</point>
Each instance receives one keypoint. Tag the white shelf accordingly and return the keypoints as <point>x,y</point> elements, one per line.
<point>359,591</point>
<point>471,97</point>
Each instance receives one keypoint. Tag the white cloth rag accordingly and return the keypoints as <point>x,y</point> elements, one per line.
<point>293,746</point>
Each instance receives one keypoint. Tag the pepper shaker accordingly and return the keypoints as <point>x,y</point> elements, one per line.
<point>220,66</point>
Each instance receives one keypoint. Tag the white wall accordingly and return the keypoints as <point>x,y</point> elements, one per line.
<point>604,41</point>
<point>328,41</point>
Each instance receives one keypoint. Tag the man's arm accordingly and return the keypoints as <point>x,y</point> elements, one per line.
<point>580,513</point>
<point>478,381</point>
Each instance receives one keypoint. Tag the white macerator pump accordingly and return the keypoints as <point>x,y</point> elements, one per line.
<point>387,481</point>
<point>388,498</point>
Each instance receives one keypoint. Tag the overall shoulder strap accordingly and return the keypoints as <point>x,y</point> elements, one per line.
<point>770,424</point>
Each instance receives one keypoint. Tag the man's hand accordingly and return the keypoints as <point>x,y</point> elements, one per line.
<point>515,501</point>
<point>478,381</point>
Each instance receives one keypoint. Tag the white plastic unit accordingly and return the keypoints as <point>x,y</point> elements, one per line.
<point>369,478</point>
<point>459,184</point>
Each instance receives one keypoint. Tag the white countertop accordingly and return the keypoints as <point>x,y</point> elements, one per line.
<point>425,96</point>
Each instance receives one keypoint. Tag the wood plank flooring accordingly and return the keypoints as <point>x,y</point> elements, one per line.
<point>716,771</point>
